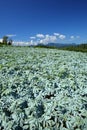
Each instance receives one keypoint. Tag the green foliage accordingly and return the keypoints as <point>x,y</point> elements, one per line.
<point>10,42</point>
<point>2,44</point>
<point>5,39</point>
<point>45,46</point>
<point>81,48</point>
<point>42,89</point>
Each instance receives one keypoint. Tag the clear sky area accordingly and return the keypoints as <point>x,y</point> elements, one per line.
<point>43,21</point>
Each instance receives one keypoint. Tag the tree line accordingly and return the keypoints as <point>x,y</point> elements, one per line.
<point>80,47</point>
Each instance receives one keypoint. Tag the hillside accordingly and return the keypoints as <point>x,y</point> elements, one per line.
<point>81,47</point>
<point>69,47</point>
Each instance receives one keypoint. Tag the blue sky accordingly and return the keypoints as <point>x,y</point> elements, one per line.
<point>44,21</point>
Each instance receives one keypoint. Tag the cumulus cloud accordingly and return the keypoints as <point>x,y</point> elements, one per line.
<point>56,34</point>
<point>72,37</point>
<point>20,43</point>
<point>32,42</point>
<point>62,37</point>
<point>32,37</point>
<point>48,39</point>
<point>40,36</point>
<point>1,40</point>
<point>42,39</point>
<point>11,35</point>
<point>77,36</point>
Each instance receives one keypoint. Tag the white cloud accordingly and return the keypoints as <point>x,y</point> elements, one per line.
<point>72,37</point>
<point>32,37</point>
<point>62,37</point>
<point>11,35</point>
<point>40,35</point>
<point>1,40</point>
<point>33,42</point>
<point>48,39</point>
<point>20,43</point>
<point>42,39</point>
<point>78,37</point>
<point>56,34</point>
<point>24,43</point>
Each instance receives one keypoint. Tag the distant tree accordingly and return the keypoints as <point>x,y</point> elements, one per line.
<point>5,40</point>
<point>10,42</point>
<point>0,43</point>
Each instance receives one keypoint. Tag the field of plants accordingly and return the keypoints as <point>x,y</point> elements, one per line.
<point>42,89</point>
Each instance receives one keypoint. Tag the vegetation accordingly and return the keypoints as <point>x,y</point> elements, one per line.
<point>45,46</point>
<point>10,42</point>
<point>81,48</point>
<point>42,89</point>
<point>6,41</point>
